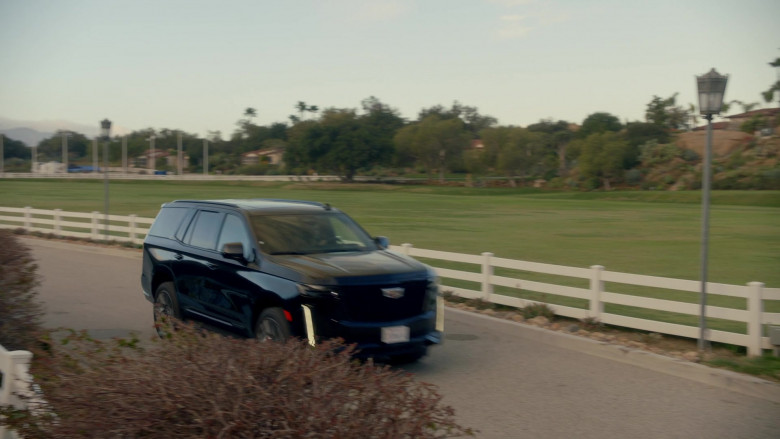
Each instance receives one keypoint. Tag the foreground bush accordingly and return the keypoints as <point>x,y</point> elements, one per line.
<point>201,385</point>
<point>20,312</point>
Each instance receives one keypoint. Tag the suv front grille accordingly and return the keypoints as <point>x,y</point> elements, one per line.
<point>369,304</point>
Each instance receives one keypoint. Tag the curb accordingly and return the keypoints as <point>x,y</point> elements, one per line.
<point>726,379</point>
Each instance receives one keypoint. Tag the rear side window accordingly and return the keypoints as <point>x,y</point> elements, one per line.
<point>168,221</point>
<point>205,231</point>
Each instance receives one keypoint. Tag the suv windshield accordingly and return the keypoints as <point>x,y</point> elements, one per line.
<point>309,233</point>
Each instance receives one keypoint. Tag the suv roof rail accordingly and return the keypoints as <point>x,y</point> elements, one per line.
<point>235,203</point>
<point>222,203</point>
<point>325,206</point>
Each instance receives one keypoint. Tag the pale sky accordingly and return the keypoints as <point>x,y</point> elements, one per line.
<point>196,65</point>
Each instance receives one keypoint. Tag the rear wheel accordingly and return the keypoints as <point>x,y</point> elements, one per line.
<point>272,325</point>
<point>166,308</point>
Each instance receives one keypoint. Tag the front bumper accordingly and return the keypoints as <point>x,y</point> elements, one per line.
<point>424,330</point>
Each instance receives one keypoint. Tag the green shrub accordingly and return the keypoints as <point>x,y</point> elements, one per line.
<point>690,155</point>
<point>202,385</point>
<point>768,179</point>
<point>538,309</point>
<point>20,311</point>
<point>652,153</point>
<point>634,177</point>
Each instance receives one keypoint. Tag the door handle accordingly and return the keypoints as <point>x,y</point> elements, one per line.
<point>212,266</point>
<point>178,256</point>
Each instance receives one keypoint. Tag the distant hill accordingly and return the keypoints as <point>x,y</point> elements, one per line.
<point>28,136</point>
<point>33,131</point>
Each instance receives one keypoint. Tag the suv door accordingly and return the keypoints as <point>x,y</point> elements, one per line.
<point>210,284</point>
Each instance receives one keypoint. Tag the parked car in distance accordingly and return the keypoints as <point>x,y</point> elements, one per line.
<point>275,269</point>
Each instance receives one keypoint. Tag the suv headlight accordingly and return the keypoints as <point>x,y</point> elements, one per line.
<point>431,294</point>
<point>317,292</point>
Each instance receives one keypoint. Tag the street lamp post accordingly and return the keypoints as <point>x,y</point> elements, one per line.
<point>105,134</point>
<point>711,88</point>
<point>124,154</point>
<point>65,136</point>
<point>205,157</point>
<point>178,154</point>
<point>150,163</point>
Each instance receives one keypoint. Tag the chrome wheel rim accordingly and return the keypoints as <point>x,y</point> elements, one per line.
<point>162,307</point>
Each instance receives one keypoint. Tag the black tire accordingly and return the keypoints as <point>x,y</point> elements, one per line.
<point>166,307</point>
<point>272,326</point>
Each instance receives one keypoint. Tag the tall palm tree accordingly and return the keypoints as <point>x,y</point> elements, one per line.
<point>302,108</point>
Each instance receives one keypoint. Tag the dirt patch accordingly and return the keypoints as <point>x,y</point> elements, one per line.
<point>724,142</point>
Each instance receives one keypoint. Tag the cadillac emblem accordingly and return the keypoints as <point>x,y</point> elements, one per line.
<point>393,293</point>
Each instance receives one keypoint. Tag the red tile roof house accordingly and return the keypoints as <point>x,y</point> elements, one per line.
<point>727,136</point>
<point>144,159</point>
<point>769,114</point>
<point>273,156</point>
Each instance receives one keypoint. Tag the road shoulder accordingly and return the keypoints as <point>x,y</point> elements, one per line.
<point>740,383</point>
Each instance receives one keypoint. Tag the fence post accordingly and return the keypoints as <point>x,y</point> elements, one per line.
<point>406,247</point>
<point>14,366</point>
<point>596,288</point>
<point>487,274</point>
<point>755,328</point>
<point>132,228</point>
<point>27,218</point>
<point>57,221</point>
<point>95,235</point>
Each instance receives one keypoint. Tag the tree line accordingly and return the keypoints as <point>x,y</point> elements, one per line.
<point>440,141</point>
<point>374,138</point>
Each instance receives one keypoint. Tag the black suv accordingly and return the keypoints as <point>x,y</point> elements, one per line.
<point>278,268</point>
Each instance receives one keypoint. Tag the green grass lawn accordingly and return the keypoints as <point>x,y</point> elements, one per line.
<point>652,233</point>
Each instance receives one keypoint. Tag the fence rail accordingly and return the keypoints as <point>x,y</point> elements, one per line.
<point>595,297</point>
<point>93,225</point>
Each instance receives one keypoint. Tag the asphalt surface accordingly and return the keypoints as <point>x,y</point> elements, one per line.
<point>505,379</point>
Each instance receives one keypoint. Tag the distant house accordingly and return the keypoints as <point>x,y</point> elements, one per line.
<point>48,168</point>
<point>715,126</point>
<point>272,156</point>
<point>144,160</point>
<point>736,121</point>
<point>160,157</point>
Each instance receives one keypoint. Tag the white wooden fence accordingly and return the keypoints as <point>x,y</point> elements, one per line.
<point>76,224</point>
<point>597,296</point>
<point>134,229</point>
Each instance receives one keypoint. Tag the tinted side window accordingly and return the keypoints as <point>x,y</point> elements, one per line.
<point>167,222</point>
<point>205,230</point>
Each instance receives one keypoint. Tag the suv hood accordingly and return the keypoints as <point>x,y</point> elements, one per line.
<point>342,268</point>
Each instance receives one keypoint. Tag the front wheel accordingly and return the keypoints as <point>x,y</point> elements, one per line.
<point>272,325</point>
<point>166,307</point>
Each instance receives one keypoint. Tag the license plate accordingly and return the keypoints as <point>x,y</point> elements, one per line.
<point>395,334</point>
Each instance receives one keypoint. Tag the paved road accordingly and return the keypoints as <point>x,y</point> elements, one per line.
<point>505,379</point>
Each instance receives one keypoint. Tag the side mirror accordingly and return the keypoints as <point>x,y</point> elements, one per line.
<point>234,250</point>
<point>382,242</point>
